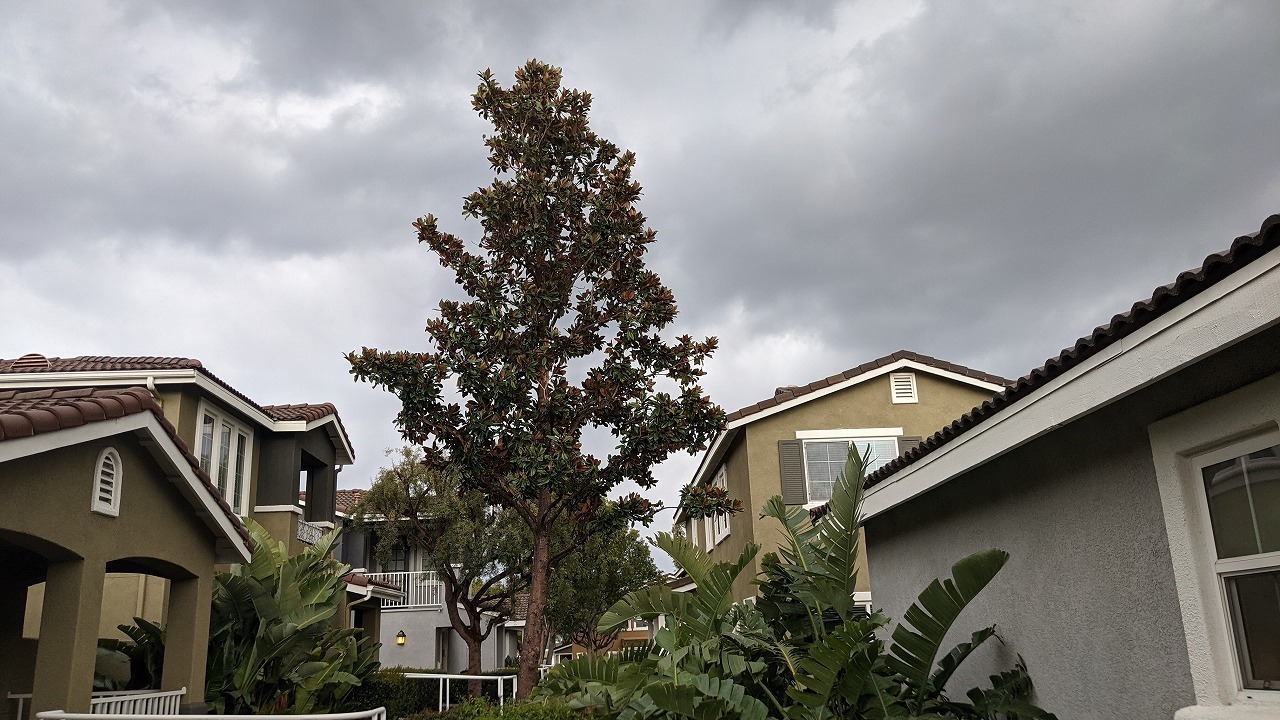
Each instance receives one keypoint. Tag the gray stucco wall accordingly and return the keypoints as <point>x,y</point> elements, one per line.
<point>1088,597</point>
<point>419,651</point>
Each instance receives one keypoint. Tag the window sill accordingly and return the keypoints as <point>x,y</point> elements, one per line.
<point>1241,711</point>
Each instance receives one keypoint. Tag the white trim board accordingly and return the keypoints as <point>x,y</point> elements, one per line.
<point>150,378</point>
<point>1238,306</point>
<point>157,441</point>
<point>847,434</point>
<point>730,430</point>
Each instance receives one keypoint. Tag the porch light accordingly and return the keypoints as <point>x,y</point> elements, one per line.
<point>400,637</point>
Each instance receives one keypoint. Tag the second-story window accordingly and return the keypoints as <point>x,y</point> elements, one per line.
<point>824,461</point>
<point>224,447</point>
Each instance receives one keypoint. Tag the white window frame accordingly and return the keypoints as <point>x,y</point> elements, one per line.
<point>865,435</point>
<point>718,524</point>
<point>221,418</point>
<point>111,509</point>
<point>1243,421</point>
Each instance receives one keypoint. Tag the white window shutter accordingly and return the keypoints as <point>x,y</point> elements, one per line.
<point>107,475</point>
<point>903,387</point>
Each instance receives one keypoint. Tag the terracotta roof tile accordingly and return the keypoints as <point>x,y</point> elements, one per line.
<point>26,413</point>
<point>1215,268</point>
<point>790,393</point>
<point>34,363</point>
<point>344,501</point>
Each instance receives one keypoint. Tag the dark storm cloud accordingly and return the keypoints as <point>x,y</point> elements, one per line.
<point>830,181</point>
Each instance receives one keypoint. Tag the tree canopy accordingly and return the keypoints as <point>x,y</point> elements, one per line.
<point>560,333</point>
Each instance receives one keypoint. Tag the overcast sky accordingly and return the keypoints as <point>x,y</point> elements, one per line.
<point>830,182</point>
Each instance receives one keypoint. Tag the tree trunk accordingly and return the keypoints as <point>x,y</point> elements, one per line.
<point>473,665</point>
<point>535,627</point>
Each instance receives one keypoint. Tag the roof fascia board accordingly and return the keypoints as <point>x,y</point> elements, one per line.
<point>192,488</point>
<point>1238,306</point>
<point>724,437</point>
<point>704,468</point>
<point>859,379</point>
<point>177,377</point>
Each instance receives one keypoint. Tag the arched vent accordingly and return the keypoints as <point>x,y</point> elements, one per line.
<point>106,483</point>
<point>32,361</point>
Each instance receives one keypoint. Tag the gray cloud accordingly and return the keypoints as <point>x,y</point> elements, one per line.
<point>830,182</point>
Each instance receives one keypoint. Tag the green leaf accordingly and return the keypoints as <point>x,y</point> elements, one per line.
<point>917,640</point>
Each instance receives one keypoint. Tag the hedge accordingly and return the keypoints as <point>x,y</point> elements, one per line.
<point>403,697</point>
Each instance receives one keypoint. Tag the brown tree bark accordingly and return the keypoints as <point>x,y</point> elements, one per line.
<point>535,627</point>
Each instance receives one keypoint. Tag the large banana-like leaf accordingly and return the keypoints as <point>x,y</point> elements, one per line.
<point>837,539</point>
<point>917,640</point>
<point>647,602</point>
<point>951,661</point>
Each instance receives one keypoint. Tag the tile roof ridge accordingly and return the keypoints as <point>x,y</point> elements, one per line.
<point>1189,283</point>
<point>79,408</point>
<point>792,392</point>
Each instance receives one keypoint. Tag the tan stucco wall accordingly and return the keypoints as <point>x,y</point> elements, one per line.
<point>124,597</point>
<point>752,467</point>
<point>181,407</point>
<point>47,496</point>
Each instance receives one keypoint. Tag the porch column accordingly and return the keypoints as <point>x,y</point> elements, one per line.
<point>186,646</point>
<point>17,656</point>
<point>68,637</point>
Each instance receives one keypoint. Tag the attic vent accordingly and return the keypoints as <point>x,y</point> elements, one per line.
<point>31,361</point>
<point>106,483</point>
<point>903,387</point>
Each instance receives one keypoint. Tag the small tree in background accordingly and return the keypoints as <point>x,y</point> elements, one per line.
<point>560,333</point>
<point>480,552</point>
<point>590,580</point>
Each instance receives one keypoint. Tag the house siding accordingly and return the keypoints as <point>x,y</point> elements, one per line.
<point>753,471</point>
<point>1088,596</point>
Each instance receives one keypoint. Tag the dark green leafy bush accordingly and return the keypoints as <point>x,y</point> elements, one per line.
<point>802,650</point>
<point>404,697</point>
<point>544,709</point>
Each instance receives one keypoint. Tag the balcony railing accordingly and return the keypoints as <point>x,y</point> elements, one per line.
<point>121,702</point>
<point>421,589</point>
<point>308,533</point>
<point>375,714</point>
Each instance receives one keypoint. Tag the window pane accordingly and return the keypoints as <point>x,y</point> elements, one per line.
<point>206,444</point>
<point>224,452</point>
<point>878,452</point>
<point>1244,503</point>
<point>242,444</point>
<point>1256,617</point>
<point>823,462</point>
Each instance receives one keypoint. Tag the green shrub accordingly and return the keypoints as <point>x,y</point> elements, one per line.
<point>272,646</point>
<point>544,709</point>
<point>417,697</point>
<point>802,650</point>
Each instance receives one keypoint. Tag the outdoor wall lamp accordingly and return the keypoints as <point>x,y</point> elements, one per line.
<point>400,637</point>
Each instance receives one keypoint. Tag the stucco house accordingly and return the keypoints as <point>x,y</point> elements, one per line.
<point>96,481</point>
<point>429,641</point>
<point>1135,480</point>
<point>256,457</point>
<point>795,443</point>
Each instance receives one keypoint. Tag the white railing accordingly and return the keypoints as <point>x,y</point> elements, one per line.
<point>421,589</point>
<point>375,714</point>
<point>145,702</point>
<point>443,703</point>
<point>308,533</point>
<point>121,702</point>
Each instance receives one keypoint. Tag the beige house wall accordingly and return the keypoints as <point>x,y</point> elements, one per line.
<point>48,496</point>
<point>124,597</point>
<point>752,470</point>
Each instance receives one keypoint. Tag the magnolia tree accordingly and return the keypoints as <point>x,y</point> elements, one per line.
<point>560,332</point>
